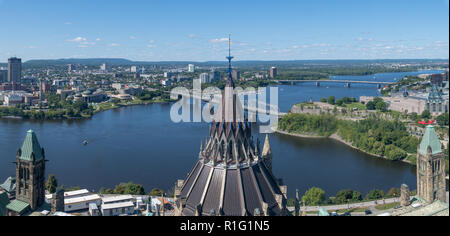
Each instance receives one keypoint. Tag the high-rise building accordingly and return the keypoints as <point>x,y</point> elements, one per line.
<point>14,70</point>
<point>191,68</point>
<point>30,177</point>
<point>3,76</point>
<point>69,68</point>
<point>431,168</point>
<point>214,75</point>
<point>133,69</point>
<point>103,67</point>
<point>231,177</point>
<point>204,77</point>
<point>236,75</point>
<point>273,72</point>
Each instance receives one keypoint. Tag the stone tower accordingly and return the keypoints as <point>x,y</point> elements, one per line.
<point>431,168</point>
<point>267,154</point>
<point>58,201</point>
<point>30,172</point>
<point>405,195</point>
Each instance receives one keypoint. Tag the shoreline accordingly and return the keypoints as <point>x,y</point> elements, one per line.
<point>339,139</point>
<point>97,111</point>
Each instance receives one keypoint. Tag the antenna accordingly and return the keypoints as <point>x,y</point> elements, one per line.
<point>229,58</point>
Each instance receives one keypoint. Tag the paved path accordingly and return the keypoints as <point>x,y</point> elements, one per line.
<point>346,206</point>
<point>355,205</point>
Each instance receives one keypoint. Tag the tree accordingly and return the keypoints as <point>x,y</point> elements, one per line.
<point>375,194</point>
<point>343,196</point>
<point>52,184</point>
<point>324,100</point>
<point>426,114</point>
<point>393,192</point>
<point>332,100</point>
<point>443,119</point>
<point>129,188</point>
<point>156,192</point>
<point>314,196</point>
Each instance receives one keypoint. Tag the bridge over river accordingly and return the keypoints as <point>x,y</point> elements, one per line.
<point>347,83</point>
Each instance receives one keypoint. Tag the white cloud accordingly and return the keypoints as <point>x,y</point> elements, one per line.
<point>151,46</point>
<point>221,40</point>
<point>78,39</point>
<point>132,37</point>
<point>151,41</point>
<point>68,23</point>
<point>97,39</point>
<point>192,36</point>
<point>113,45</point>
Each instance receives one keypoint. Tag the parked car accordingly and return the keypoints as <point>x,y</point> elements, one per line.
<point>368,212</point>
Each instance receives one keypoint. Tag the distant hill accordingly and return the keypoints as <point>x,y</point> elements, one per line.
<point>120,61</point>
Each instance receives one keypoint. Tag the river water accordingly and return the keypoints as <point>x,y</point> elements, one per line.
<point>141,144</point>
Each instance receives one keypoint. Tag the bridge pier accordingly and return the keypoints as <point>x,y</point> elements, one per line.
<point>379,86</point>
<point>347,85</point>
<point>317,84</point>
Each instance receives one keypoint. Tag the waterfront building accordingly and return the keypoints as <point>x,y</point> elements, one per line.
<point>30,177</point>
<point>431,167</point>
<point>273,72</point>
<point>117,209</point>
<point>191,68</point>
<point>231,177</point>
<point>435,102</point>
<point>14,70</point>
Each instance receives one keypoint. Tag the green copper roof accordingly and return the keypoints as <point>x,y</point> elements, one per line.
<point>31,145</point>
<point>4,201</point>
<point>430,139</point>
<point>17,206</point>
<point>9,185</point>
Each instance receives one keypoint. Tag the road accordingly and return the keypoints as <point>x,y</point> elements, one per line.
<point>351,206</point>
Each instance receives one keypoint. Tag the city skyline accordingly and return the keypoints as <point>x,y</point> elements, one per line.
<point>197,30</point>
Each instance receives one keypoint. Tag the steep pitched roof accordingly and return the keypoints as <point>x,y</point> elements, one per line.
<point>31,145</point>
<point>430,139</point>
<point>9,185</point>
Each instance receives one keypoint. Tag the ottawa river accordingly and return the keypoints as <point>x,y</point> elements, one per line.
<point>141,144</point>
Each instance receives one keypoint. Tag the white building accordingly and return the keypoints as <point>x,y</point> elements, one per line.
<point>205,78</point>
<point>117,199</point>
<point>191,68</point>
<point>13,99</point>
<point>133,69</point>
<point>81,203</point>
<point>117,209</point>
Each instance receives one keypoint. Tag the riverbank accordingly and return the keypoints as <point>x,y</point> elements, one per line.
<point>339,139</point>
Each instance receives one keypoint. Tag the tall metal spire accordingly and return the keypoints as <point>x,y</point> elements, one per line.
<point>229,58</point>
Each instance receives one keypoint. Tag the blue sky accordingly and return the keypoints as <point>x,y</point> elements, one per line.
<point>161,30</point>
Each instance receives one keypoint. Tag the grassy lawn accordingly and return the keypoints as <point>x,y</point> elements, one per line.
<point>353,210</point>
<point>386,206</point>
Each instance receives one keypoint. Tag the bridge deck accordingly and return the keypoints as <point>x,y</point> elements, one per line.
<point>335,81</point>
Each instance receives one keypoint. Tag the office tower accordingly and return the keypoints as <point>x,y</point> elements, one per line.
<point>191,68</point>
<point>14,70</point>
<point>273,72</point>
